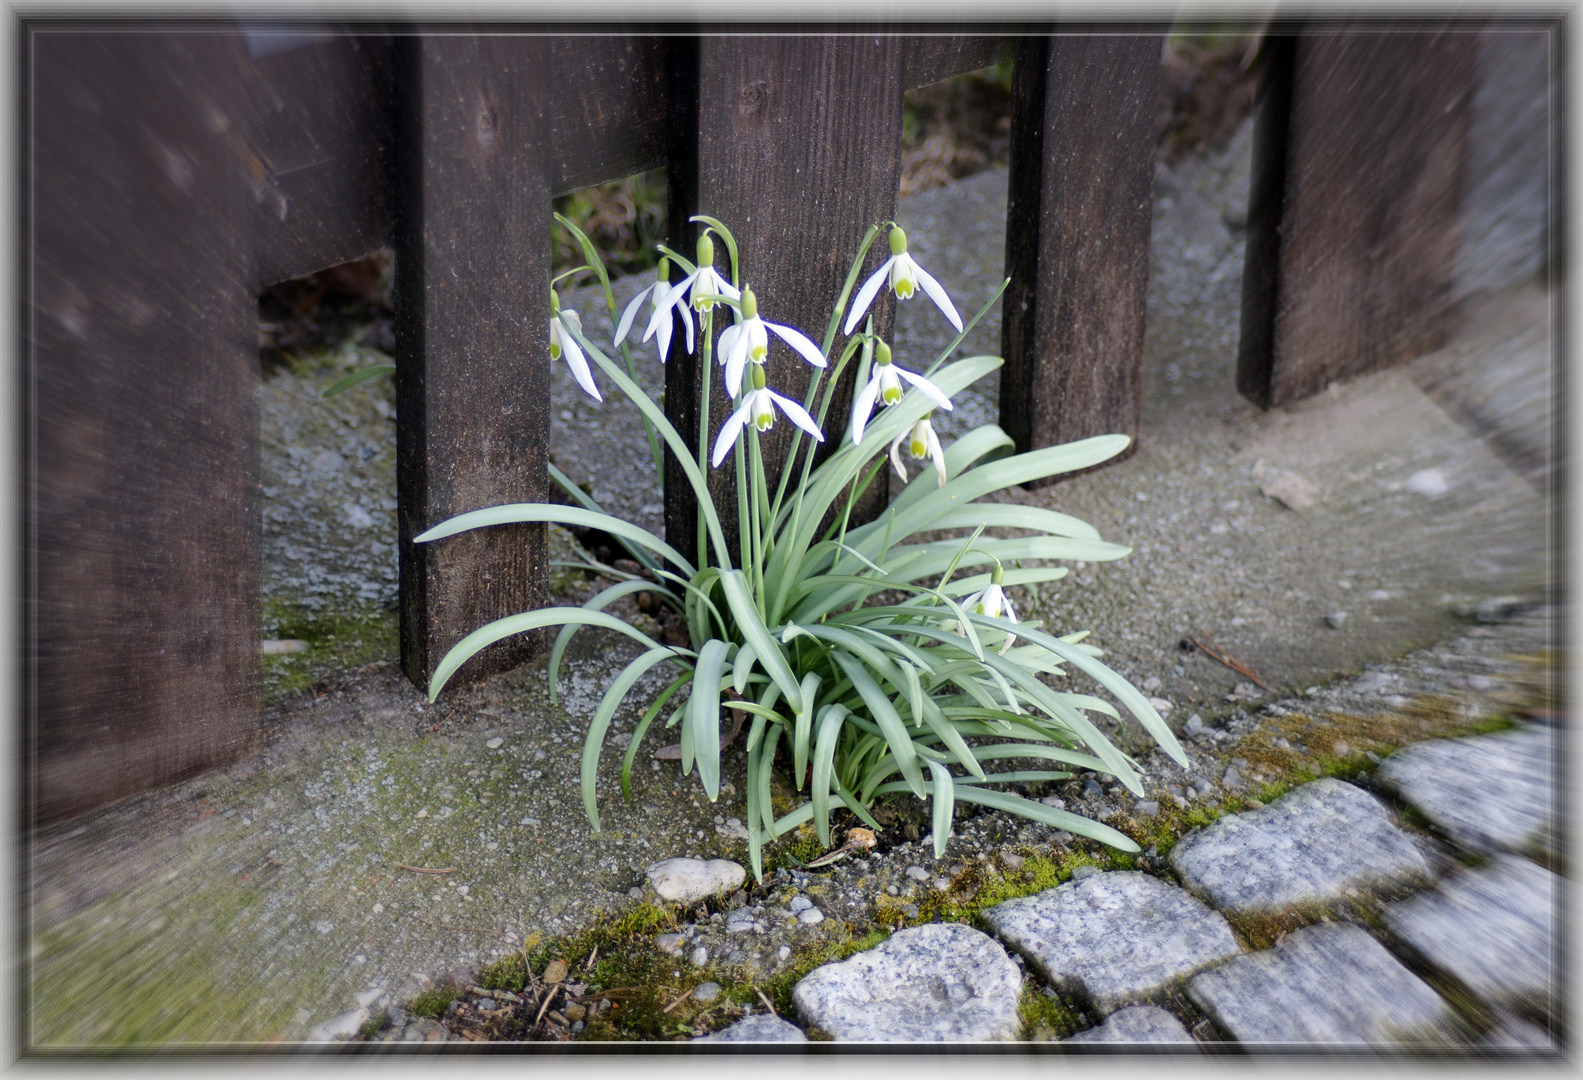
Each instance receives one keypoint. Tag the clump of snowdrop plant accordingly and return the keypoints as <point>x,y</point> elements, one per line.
<point>941,694</point>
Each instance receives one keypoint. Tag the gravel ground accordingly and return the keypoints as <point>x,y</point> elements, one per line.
<point>289,874</point>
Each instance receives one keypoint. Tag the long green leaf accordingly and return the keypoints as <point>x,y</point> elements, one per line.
<point>830,718</point>
<point>768,650</point>
<point>803,730</point>
<point>1027,808</point>
<point>598,602</point>
<point>490,633</point>
<point>588,502</point>
<point>642,729</point>
<point>885,715</point>
<point>704,716</point>
<point>346,382</point>
<point>943,798</point>
<point>562,515</point>
<point>595,739</point>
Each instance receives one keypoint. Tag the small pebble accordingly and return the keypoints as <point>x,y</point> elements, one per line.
<point>812,917</point>
<point>1233,778</point>
<point>1255,804</point>
<point>1194,725</point>
<point>1340,748</point>
<point>1051,800</point>
<point>706,991</point>
<point>1084,871</point>
<point>495,743</point>
<point>1148,808</point>
<point>1012,860</point>
<point>1335,619</point>
<point>784,952</point>
<point>1161,705</point>
<point>1151,683</point>
<point>917,873</point>
<point>799,904</point>
<point>700,956</point>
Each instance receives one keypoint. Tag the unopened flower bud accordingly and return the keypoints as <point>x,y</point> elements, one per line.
<point>898,240</point>
<point>881,353</point>
<point>706,251</point>
<point>758,376</point>
<point>750,304</point>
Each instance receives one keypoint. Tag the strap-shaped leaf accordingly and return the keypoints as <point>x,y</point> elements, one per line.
<point>704,714</point>
<point>885,715</point>
<point>511,513</point>
<point>588,502</point>
<point>597,603</point>
<point>1027,808</point>
<point>830,718</point>
<point>642,729</point>
<point>594,741</point>
<point>943,797</point>
<point>802,732</point>
<point>743,667</point>
<point>767,649</point>
<point>346,382</point>
<point>1125,692</point>
<point>490,633</point>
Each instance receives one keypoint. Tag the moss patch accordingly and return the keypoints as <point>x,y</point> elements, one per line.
<point>336,641</point>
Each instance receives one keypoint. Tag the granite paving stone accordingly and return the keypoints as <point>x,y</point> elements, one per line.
<point>1488,792</point>
<point>1114,938</point>
<point>1493,928</point>
<point>758,1028</point>
<point>1136,1024</point>
<point>1328,985</point>
<point>941,982</point>
<point>1311,845</point>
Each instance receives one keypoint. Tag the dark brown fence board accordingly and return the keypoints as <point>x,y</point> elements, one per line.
<point>1353,230</point>
<point>316,145</point>
<point>609,115</point>
<point>797,149</point>
<point>473,315</point>
<point>935,56</point>
<point>142,395</point>
<point>1077,236</point>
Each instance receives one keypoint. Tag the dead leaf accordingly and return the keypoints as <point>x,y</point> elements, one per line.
<point>555,972</point>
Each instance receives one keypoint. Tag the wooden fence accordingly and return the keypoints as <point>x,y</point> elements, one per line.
<point>172,172</point>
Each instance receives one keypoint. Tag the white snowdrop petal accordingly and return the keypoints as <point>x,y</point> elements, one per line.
<point>930,390</point>
<point>865,295</point>
<point>799,341</point>
<point>937,294</point>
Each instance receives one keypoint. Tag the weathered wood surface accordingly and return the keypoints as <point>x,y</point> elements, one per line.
<point>472,332</point>
<point>797,149</point>
<point>1354,216</point>
<point>1079,208</point>
<point>141,391</point>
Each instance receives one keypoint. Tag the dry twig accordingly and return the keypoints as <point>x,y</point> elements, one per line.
<point>425,870</point>
<point>1215,652</point>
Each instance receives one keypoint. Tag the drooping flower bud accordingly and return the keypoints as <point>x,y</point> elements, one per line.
<point>898,240</point>
<point>750,303</point>
<point>881,353</point>
<point>758,376</point>
<point>706,251</point>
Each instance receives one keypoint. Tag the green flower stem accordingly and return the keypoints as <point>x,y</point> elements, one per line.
<point>705,370</point>
<point>755,570</point>
<point>744,545</point>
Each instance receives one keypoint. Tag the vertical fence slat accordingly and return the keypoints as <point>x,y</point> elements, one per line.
<point>1355,209</point>
<point>797,148</point>
<point>1077,236</point>
<point>472,257</point>
<point>142,402</point>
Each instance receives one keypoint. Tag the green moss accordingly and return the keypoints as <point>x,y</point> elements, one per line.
<point>434,1001</point>
<point>336,641</point>
<point>1047,1019</point>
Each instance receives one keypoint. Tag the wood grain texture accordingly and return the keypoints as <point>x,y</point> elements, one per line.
<point>141,451</point>
<point>316,145</point>
<point>1353,235</point>
<point>608,108</point>
<point>1078,216</point>
<point>935,56</point>
<point>797,148</point>
<point>472,378</point>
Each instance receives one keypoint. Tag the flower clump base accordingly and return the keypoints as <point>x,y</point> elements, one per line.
<point>942,693</point>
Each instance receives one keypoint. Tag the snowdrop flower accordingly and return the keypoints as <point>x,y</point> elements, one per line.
<point>747,340</point>
<point>992,602</point>
<point>905,277</point>
<point>704,281</point>
<point>561,341</point>
<point>759,405</point>
<point>884,384</point>
<point>655,294</point>
<point>921,444</point>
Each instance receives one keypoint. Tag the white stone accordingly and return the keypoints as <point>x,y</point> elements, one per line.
<point>1487,792</point>
<point>684,881</point>
<point>758,1028</point>
<point>1136,1024</point>
<point>1310,845</point>
<point>1114,938</point>
<point>343,1026</point>
<point>1325,985</point>
<point>1493,928</point>
<point>940,982</point>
